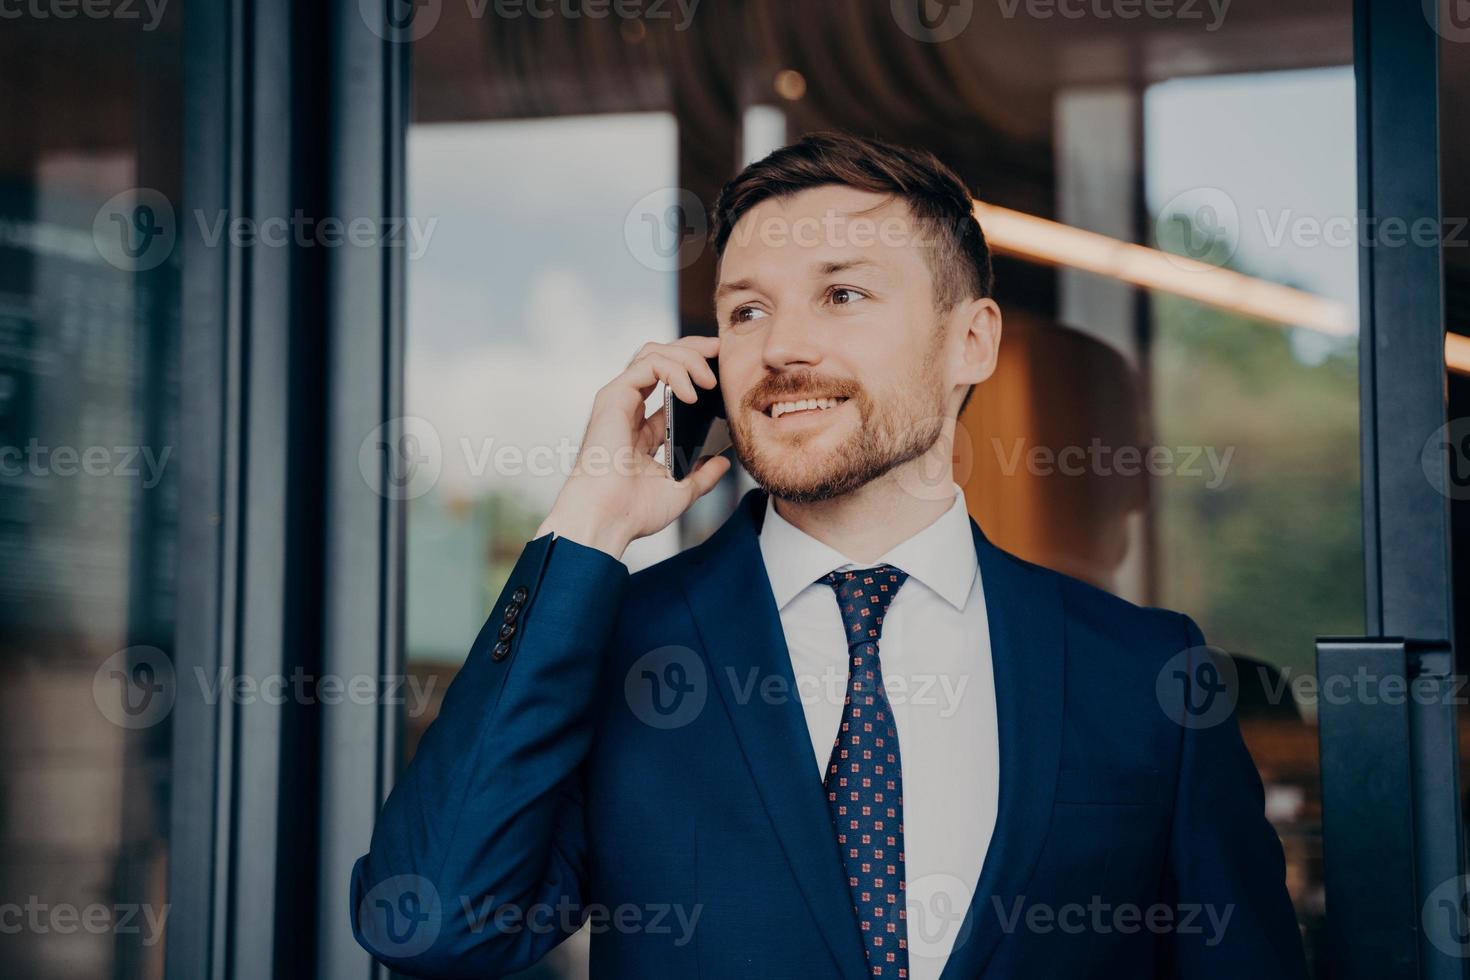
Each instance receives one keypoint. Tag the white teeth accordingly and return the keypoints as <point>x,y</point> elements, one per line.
<point>805,405</point>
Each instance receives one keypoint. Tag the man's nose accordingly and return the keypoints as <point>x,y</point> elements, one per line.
<point>791,342</point>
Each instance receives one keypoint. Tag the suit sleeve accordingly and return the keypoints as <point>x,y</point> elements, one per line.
<point>1226,867</point>
<point>478,861</point>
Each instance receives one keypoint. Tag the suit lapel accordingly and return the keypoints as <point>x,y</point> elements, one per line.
<point>1027,649</point>
<point>737,619</point>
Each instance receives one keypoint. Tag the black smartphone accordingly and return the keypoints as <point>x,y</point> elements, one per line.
<point>694,431</point>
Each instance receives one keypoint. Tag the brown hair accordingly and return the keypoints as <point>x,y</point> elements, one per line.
<point>936,197</point>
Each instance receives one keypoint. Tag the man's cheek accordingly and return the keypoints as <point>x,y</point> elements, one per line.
<point>733,378</point>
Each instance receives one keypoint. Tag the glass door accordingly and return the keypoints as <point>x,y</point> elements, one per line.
<point>90,278</point>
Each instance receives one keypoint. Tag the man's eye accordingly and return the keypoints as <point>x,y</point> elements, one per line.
<point>744,314</point>
<point>844,296</point>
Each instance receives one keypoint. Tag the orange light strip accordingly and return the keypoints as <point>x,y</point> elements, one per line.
<point>1457,353</point>
<point>1041,240</point>
<point>1052,242</point>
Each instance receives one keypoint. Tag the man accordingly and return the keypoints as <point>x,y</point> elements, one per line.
<point>846,736</point>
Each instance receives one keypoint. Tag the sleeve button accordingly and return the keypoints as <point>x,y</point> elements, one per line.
<point>507,631</point>
<point>519,595</point>
<point>511,612</point>
<point>501,649</point>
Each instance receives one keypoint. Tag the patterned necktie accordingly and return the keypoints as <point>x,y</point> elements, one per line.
<point>864,779</point>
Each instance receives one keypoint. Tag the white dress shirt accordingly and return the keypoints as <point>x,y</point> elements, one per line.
<point>935,656</point>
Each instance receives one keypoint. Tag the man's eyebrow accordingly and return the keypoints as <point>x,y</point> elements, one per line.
<point>832,268</point>
<point>737,286</point>
<point>825,269</point>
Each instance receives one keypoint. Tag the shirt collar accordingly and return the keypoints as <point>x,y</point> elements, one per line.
<point>942,555</point>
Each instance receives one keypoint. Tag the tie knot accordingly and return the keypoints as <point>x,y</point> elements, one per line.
<point>863,596</point>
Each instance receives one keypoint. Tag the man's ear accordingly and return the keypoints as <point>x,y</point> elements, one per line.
<point>979,325</point>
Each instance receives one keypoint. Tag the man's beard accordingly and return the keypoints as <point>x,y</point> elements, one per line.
<point>887,436</point>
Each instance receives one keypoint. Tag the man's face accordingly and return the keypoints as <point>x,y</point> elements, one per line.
<point>835,365</point>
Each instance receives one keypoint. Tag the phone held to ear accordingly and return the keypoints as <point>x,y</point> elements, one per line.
<point>694,431</point>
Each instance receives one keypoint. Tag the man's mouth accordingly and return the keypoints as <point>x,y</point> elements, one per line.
<point>802,405</point>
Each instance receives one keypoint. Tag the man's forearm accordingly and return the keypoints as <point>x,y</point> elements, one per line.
<point>489,812</point>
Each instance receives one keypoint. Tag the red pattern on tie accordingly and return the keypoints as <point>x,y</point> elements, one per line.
<point>864,780</point>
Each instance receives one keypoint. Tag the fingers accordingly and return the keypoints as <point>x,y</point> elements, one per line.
<point>703,346</point>
<point>681,365</point>
<point>693,353</point>
<point>674,373</point>
<point>631,388</point>
<point>672,370</point>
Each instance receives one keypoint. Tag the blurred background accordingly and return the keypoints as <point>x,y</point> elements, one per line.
<point>193,399</point>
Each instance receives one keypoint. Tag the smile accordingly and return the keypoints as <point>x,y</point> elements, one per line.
<point>779,409</point>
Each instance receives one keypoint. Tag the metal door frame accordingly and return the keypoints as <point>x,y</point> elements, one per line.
<point>1392,837</point>
<point>291,358</point>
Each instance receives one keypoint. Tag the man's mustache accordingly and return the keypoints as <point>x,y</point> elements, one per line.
<point>777,386</point>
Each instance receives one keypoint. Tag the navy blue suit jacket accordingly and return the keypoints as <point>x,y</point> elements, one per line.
<point>624,754</point>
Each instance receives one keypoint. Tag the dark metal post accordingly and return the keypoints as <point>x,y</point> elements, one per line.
<point>1390,773</point>
<point>363,521</point>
